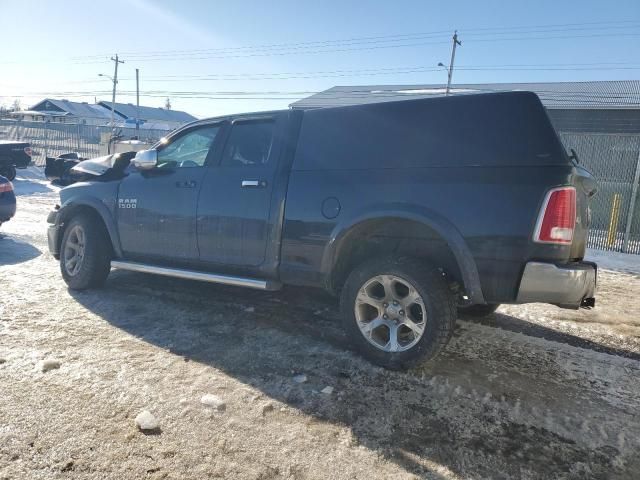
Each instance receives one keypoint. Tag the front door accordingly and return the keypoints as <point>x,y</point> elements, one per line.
<point>157,207</point>
<point>235,199</point>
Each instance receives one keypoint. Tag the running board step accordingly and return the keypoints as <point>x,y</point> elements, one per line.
<point>193,275</point>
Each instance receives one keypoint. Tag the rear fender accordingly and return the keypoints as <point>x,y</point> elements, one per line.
<point>439,224</point>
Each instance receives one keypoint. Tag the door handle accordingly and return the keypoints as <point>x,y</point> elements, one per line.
<point>254,183</point>
<point>186,184</point>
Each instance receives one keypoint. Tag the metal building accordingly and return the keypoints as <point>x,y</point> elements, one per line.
<point>600,120</point>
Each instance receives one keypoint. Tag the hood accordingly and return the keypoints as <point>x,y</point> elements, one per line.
<point>111,166</point>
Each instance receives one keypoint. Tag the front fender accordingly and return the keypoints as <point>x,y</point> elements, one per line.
<point>102,206</point>
<point>439,224</point>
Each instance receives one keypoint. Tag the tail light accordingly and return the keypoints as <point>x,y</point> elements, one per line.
<point>557,219</point>
<point>6,187</point>
<point>27,150</point>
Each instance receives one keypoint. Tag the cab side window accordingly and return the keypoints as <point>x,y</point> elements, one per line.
<point>188,150</point>
<point>249,144</point>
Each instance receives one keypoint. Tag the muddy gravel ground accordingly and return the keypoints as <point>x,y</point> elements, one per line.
<point>530,392</point>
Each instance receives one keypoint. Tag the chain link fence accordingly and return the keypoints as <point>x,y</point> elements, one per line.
<point>49,139</point>
<point>614,160</point>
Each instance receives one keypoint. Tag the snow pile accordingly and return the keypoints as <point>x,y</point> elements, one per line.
<point>300,378</point>
<point>327,390</point>
<point>146,421</point>
<point>46,365</point>
<point>214,402</point>
<point>267,407</point>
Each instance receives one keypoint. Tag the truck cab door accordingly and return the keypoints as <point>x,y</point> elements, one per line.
<point>234,208</point>
<point>156,211</point>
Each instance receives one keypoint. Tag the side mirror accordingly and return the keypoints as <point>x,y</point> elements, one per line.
<point>145,159</point>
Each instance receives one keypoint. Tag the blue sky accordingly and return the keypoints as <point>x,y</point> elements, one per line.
<point>257,47</point>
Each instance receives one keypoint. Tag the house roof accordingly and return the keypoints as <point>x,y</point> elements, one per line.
<point>623,94</point>
<point>78,109</point>
<point>19,113</point>
<point>128,110</point>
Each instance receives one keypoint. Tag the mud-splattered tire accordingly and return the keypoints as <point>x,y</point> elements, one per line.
<point>398,312</point>
<point>478,311</point>
<point>8,171</point>
<point>85,253</point>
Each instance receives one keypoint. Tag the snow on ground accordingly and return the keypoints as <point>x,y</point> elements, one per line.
<point>31,181</point>
<point>531,392</point>
<point>621,262</point>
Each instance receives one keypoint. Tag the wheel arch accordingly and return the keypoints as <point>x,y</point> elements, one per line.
<point>371,233</point>
<point>95,208</point>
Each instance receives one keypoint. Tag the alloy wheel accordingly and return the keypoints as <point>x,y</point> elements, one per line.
<point>74,250</point>
<point>390,313</point>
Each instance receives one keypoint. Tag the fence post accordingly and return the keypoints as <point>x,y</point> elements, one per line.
<point>613,220</point>
<point>46,142</point>
<point>78,133</point>
<point>634,194</point>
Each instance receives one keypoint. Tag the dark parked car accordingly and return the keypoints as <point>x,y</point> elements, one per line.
<point>7,200</point>
<point>13,155</point>
<point>58,169</point>
<point>405,210</point>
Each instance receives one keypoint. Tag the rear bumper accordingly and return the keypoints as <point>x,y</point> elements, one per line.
<point>567,286</point>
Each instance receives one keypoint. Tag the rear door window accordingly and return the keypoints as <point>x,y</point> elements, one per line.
<point>249,144</point>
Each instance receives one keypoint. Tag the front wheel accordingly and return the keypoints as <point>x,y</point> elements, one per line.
<point>398,311</point>
<point>85,253</point>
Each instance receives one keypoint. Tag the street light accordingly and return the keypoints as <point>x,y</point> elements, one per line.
<point>113,97</point>
<point>440,64</point>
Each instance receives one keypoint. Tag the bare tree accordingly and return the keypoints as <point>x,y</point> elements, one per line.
<point>16,107</point>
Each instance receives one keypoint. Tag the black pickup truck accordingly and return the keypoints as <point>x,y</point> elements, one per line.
<point>405,210</point>
<point>13,155</point>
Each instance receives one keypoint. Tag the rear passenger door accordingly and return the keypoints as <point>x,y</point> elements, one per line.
<point>235,199</point>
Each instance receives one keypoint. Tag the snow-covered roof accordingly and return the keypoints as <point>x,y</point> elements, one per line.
<point>35,112</point>
<point>129,110</point>
<point>48,106</point>
<point>623,94</point>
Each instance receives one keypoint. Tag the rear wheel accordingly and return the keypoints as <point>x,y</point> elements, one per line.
<point>478,310</point>
<point>8,171</point>
<point>398,311</point>
<point>85,253</point>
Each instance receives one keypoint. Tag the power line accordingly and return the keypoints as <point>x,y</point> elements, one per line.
<point>231,52</point>
<point>604,66</point>
<point>185,57</point>
<point>356,92</point>
<point>393,38</point>
<point>379,42</point>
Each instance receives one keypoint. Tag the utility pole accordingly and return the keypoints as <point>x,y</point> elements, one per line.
<point>113,97</point>
<point>113,101</point>
<point>137,104</point>
<point>456,42</point>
